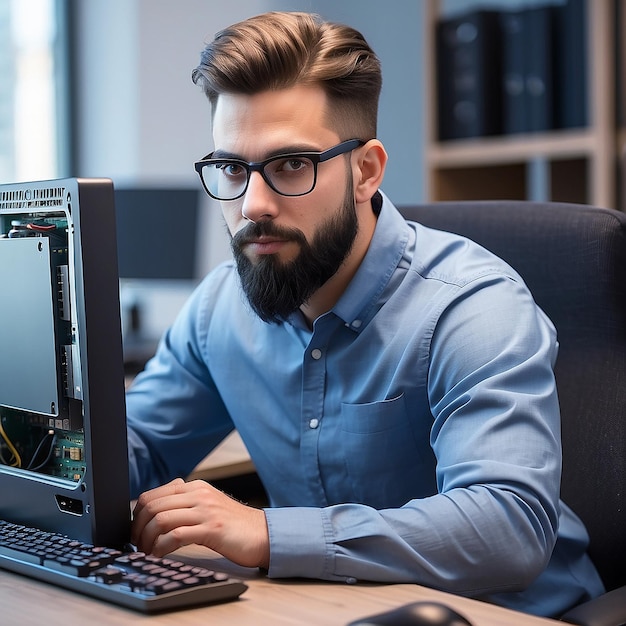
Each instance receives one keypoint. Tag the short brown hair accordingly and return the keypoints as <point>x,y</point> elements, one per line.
<point>278,50</point>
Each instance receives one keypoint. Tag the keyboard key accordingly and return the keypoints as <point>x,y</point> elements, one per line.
<point>109,575</point>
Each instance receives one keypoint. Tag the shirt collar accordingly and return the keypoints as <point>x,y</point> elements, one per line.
<point>358,304</point>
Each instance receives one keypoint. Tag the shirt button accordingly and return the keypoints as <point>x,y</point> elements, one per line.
<point>314,423</point>
<point>316,354</point>
<point>356,324</point>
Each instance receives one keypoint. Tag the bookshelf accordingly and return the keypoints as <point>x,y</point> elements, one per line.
<point>568,165</point>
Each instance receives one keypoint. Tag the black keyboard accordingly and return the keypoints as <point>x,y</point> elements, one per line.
<point>132,579</point>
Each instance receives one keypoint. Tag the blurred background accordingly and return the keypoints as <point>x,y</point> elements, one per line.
<point>102,88</point>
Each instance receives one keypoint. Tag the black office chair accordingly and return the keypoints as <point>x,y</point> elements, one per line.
<point>573,259</point>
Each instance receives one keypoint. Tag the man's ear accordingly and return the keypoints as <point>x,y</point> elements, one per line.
<point>372,160</point>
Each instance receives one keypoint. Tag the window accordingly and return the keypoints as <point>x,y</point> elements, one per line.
<point>34,100</point>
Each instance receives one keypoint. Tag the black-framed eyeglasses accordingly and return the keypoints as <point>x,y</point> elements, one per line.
<point>293,174</point>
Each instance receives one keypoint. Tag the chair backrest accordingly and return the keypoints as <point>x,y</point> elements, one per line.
<point>573,259</point>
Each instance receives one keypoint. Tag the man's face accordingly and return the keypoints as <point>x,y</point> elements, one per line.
<point>276,288</point>
<point>285,247</point>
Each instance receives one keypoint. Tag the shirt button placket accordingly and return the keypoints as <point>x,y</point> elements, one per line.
<point>312,407</point>
<point>316,355</point>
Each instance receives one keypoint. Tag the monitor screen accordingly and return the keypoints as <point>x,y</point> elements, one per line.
<point>63,451</point>
<point>157,233</point>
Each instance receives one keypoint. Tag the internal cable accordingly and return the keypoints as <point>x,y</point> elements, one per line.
<point>49,436</point>
<point>17,459</point>
<point>42,228</point>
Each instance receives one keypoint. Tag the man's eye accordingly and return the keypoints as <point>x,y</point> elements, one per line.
<point>232,170</point>
<point>292,165</point>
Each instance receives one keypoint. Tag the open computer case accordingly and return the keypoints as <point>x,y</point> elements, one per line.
<point>63,450</point>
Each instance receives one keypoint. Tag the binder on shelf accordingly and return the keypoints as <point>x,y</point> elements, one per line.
<point>468,75</point>
<point>539,74</point>
<point>514,42</point>
<point>527,72</point>
<point>571,52</point>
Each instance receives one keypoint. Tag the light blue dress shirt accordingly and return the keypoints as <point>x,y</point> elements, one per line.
<point>412,436</point>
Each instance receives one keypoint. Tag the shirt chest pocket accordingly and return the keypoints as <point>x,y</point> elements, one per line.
<point>387,453</point>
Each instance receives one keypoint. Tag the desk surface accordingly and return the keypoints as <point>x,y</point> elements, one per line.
<point>275,602</point>
<point>229,459</point>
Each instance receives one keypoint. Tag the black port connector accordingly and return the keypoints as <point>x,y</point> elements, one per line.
<point>63,291</point>
<point>69,505</point>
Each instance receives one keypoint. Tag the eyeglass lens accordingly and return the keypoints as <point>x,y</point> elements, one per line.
<point>290,176</point>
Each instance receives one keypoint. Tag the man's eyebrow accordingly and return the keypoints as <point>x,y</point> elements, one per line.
<point>294,149</point>
<point>223,154</point>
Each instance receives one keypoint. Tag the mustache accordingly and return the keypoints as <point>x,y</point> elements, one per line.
<point>255,230</point>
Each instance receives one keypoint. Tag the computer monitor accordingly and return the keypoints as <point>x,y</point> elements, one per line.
<point>157,244</point>
<point>63,449</point>
<point>157,230</point>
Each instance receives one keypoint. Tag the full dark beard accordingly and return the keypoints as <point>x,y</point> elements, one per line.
<point>275,289</point>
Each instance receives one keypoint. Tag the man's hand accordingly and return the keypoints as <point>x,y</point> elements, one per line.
<point>180,513</point>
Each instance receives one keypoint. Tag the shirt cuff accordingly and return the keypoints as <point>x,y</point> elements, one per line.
<point>298,546</point>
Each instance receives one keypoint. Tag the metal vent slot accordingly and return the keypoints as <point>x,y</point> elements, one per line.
<point>29,199</point>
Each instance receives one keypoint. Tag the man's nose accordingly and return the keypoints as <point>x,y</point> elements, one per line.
<point>259,201</point>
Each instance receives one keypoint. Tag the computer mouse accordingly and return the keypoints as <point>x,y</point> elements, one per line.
<point>416,614</point>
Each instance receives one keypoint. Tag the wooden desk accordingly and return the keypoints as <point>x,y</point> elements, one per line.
<point>229,459</point>
<point>266,602</point>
